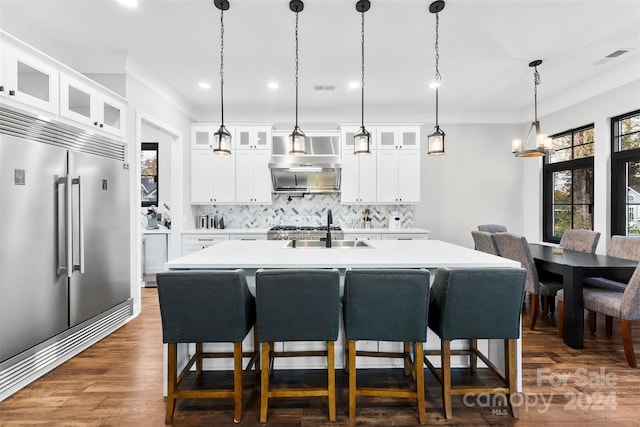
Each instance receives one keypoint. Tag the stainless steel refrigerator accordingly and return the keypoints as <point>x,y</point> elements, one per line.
<point>64,229</point>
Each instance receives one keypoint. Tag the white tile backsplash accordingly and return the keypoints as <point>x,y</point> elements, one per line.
<point>308,210</point>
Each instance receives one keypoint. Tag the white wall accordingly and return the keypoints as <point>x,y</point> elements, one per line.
<point>477,181</point>
<point>597,110</point>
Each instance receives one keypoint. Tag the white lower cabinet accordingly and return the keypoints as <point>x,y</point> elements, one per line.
<point>253,236</point>
<point>361,236</point>
<point>195,242</point>
<point>405,236</point>
<point>154,250</point>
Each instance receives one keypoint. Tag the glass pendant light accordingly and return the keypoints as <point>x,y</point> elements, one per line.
<point>362,138</point>
<point>296,139</point>
<point>222,137</point>
<point>436,138</point>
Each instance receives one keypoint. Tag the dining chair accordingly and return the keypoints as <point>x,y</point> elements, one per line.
<point>387,305</point>
<point>516,247</point>
<point>206,307</point>
<point>612,303</point>
<point>485,242</point>
<point>580,240</point>
<point>297,305</point>
<point>473,304</point>
<point>493,228</point>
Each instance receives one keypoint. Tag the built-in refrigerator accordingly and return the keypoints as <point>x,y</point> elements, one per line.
<point>64,229</point>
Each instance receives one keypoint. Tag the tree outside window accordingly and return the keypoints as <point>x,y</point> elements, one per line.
<point>625,174</point>
<point>149,174</point>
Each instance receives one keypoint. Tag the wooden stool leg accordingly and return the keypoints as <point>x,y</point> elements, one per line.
<point>256,348</point>
<point>473,358</point>
<point>419,358</point>
<point>608,326</point>
<point>352,379</point>
<point>534,310</point>
<point>237,381</point>
<point>264,386</point>
<point>198,358</point>
<point>171,381</point>
<point>627,342</point>
<point>591,321</point>
<point>561,319</point>
<point>511,374</point>
<point>445,349</point>
<point>332,379</point>
<point>545,304</point>
<point>407,368</point>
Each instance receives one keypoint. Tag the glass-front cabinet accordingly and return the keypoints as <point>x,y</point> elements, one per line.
<point>393,137</point>
<point>29,80</point>
<point>253,137</point>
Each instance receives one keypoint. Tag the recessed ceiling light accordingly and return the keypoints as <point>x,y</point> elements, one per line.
<point>204,85</point>
<point>434,85</point>
<point>129,3</point>
<point>354,85</point>
<point>273,85</point>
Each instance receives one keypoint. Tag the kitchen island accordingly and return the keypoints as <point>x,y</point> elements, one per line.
<point>430,254</point>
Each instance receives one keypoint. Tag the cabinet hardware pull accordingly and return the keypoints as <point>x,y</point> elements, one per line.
<point>12,93</point>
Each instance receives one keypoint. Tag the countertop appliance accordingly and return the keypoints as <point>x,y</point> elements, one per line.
<point>64,231</point>
<point>301,232</point>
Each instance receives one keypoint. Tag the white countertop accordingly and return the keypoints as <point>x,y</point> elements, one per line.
<point>265,230</point>
<point>160,230</point>
<point>381,254</point>
<point>387,230</point>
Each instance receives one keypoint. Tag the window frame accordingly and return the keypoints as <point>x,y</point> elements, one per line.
<point>152,146</point>
<point>548,169</point>
<point>619,160</point>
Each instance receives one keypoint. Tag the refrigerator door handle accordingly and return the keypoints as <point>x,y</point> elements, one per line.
<point>68,236</point>
<point>80,266</point>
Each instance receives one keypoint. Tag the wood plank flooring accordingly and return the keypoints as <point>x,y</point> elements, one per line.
<point>118,382</point>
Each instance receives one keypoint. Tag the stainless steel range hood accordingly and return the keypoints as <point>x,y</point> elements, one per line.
<point>305,174</point>
<point>319,171</point>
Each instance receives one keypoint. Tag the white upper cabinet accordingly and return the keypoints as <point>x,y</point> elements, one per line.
<point>82,103</point>
<point>398,177</point>
<point>212,177</point>
<point>358,171</point>
<point>253,180</point>
<point>29,80</point>
<point>253,137</point>
<point>397,137</point>
<point>202,136</point>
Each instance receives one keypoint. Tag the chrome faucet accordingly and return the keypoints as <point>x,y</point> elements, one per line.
<point>329,222</point>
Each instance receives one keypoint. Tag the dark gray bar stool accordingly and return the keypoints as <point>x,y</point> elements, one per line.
<point>472,304</point>
<point>297,305</point>
<point>387,305</point>
<point>206,306</point>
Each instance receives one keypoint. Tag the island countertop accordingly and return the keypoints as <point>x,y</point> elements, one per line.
<point>381,254</point>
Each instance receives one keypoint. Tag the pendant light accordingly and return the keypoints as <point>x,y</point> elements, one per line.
<point>362,138</point>
<point>296,139</point>
<point>436,138</point>
<point>222,137</point>
<point>543,142</point>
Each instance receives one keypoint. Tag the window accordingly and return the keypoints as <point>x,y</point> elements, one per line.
<point>625,174</point>
<point>149,173</point>
<point>568,183</point>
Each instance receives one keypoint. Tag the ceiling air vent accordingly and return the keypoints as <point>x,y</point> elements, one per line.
<point>612,55</point>
<point>324,87</point>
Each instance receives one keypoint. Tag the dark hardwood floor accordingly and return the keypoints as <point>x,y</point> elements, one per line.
<point>118,382</point>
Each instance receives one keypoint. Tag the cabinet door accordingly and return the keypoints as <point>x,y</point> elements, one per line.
<point>244,176</point>
<point>387,176</point>
<point>253,137</point>
<point>409,137</point>
<point>77,101</point>
<point>409,176</point>
<point>202,137</point>
<point>387,139</point>
<point>224,177</point>
<point>31,81</point>
<point>201,176</point>
<point>367,177</point>
<point>349,187</point>
<point>111,116</point>
<point>261,177</point>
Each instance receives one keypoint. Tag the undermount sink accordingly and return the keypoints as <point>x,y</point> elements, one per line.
<point>339,244</point>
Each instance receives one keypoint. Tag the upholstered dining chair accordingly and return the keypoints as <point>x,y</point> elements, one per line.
<point>516,247</point>
<point>387,305</point>
<point>485,242</point>
<point>472,304</point>
<point>580,240</point>
<point>297,305</point>
<point>612,303</point>
<point>493,228</point>
<point>206,307</point>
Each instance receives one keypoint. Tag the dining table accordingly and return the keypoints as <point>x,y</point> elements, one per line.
<point>573,266</point>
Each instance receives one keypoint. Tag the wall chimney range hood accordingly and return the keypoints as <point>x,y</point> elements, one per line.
<point>319,171</point>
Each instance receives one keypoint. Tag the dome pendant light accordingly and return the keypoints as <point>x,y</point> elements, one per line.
<point>296,139</point>
<point>543,142</point>
<point>436,138</point>
<point>222,137</point>
<point>362,138</point>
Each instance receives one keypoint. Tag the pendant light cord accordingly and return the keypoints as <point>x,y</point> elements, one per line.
<point>362,70</point>
<point>438,77</point>
<point>296,70</point>
<point>536,82</point>
<point>222,65</point>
